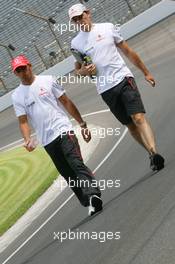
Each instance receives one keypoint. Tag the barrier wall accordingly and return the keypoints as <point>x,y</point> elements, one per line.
<point>133,27</point>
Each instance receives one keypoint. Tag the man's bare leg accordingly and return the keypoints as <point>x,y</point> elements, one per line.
<point>135,134</point>
<point>142,132</point>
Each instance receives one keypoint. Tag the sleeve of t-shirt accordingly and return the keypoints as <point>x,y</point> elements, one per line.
<point>57,89</point>
<point>116,33</point>
<point>18,107</point>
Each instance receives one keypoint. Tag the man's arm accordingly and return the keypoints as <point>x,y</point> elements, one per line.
<point>71,108</point>
<point>73,111</point>
<point>136,60</point>
<point>26,132</point>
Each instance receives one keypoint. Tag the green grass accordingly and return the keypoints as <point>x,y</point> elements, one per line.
<point>24,177</point>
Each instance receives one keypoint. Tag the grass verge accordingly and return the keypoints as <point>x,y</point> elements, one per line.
<point>24,177</point>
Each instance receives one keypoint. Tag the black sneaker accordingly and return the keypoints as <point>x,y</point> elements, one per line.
<point>156,162</point>
<point>95,205</point>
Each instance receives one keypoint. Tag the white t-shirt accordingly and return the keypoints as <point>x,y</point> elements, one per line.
<point>39,102</point>
<point>100,45</point>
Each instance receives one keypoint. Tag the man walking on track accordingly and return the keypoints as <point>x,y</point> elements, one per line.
<point>100,43</point>
<point>42,100</point>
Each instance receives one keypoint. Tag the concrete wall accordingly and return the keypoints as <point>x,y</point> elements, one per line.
<point>133,27</point>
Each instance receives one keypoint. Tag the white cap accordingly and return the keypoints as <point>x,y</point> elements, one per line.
<point>76,10</point>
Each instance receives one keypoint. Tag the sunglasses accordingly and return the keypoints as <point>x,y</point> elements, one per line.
<point>21,69</point>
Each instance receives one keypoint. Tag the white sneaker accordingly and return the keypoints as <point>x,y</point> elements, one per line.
<point>95,205</point>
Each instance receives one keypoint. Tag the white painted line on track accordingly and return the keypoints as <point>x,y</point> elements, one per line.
<point>70,197</point>
<point>20,141</point>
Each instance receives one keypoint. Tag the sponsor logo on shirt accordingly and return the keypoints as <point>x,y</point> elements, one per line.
<point>99,37</point>
<point>29,102</point>
<point>89,49</point>
<point>43,91</point>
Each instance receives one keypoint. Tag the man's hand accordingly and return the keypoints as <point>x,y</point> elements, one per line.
<point>30,145</point>
<point>87,70</point>
<point>92,69</point>
<point>86,134</point>
<point>149,78</point>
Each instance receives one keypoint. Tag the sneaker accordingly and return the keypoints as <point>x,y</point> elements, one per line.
<point>95,205</point>
<point>156,162</point>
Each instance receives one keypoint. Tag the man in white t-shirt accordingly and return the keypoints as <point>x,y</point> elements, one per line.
<point>115,82</point>
<point>43,101</point>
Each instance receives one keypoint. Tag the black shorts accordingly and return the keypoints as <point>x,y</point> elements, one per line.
<point>124,100</point>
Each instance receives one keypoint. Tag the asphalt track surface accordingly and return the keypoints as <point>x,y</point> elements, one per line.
<point>142,209</point>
